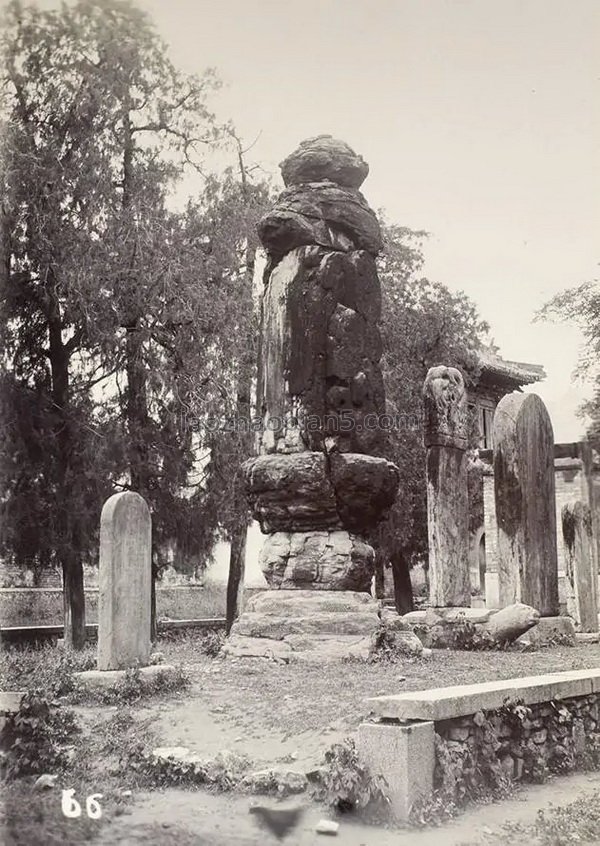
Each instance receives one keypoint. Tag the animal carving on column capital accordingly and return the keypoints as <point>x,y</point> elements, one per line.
<point>445,407</point>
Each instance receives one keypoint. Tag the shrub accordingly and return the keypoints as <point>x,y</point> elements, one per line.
<point>223,772</point>
<point>464,635</point>
<point>212,643</point>
<point>35,739</point>
<point>347,784</point>
<point>46,668</point>
<point>132,687</point>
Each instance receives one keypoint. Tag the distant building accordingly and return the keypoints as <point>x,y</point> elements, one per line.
<point>498,377</point>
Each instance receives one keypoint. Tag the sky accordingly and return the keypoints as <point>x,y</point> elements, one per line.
<point>480,120</point>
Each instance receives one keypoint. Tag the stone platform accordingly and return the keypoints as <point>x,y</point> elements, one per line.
<point>306,625</point>
<point>104,679</point>
<point>551,631</point>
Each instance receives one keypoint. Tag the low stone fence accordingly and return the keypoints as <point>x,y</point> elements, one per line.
<point>462,740</point>
<point>44,606</point>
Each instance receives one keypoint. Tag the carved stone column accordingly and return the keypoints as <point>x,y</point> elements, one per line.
<point>445,435</point>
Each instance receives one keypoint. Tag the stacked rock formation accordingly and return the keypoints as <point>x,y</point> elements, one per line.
<point>319,481</point>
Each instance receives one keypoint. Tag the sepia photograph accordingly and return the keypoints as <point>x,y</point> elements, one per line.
<point>300,422</point>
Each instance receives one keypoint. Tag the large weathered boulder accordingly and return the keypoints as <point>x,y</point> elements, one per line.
<point>320,213</point>
<point>291,492</point>
<point>324,157</point>
<point>365,486</point>
<point>509,623</point>
<point>306,490</point>
<point>320,560</point>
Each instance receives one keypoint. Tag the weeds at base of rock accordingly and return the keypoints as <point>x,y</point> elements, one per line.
<point>346,785</point>
<point>133,687</point>
<point>37,739</point>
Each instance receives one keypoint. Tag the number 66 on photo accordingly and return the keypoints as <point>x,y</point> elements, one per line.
<point>71,807</point>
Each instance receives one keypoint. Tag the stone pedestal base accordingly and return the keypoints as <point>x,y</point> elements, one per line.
<point>309,625</point>
<point>103,679</point>
<point>587,637</point>
<point>404,754</point>
<point>550,631</point>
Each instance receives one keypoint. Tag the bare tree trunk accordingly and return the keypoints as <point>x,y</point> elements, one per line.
<point>69,552</point>
<point>136,410</point>
<point>239,535</point>
<point>137,399</point>
<point>73,600</point>
<point>380,557</point>
<point>235,581</point>
<point>403,595</point>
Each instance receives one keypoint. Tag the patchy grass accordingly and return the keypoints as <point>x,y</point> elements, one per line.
<point>99,762</point>
<point>573,824</point>
<point>43,667</point>
<point>36,819</point>
<point>186,646</point>
<point>51,670</point>
<point>292,698</point>
<point>295,697</point>
<point>242,699</point>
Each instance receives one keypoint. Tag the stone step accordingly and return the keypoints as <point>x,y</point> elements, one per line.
<point>253,624</point>
<point>300,603</point>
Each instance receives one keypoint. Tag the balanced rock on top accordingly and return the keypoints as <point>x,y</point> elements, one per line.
<point>324,157</point>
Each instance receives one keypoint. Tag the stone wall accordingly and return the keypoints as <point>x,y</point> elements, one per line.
<point>43,606</point>
<point>466,741</point>
<point>516,742</point>
<point>13,575</point>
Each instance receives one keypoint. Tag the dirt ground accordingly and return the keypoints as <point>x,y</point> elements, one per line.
<point>288,715</point>
<point>194,819</point>
<point>278,713</point>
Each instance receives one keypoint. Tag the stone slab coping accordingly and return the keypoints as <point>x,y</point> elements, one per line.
<point>446,703</point>
<point>10,701</point>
